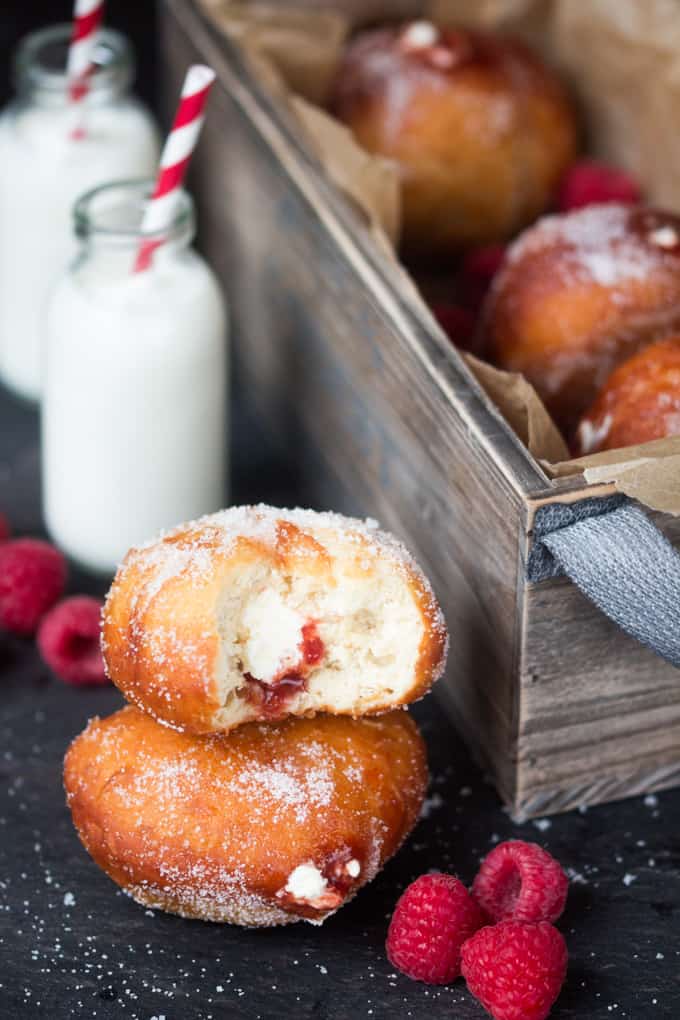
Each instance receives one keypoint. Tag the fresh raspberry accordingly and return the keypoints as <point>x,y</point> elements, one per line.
<point>32,577</point>
<point>477,271</point>
<point>588,183</point>
<point>5,529</point>
<point>457,322</point>
<point>431,921</point>
<point>516,970</point>
<point>68,640</point>
<point>520,881</point>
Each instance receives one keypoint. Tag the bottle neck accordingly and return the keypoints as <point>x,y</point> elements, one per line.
<point>40,62</point>
<point>108,224</point>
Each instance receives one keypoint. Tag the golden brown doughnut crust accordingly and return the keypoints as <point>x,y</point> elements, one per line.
<point>577,294</point>
<point>639,402</point>
<point>161,639</point>
<point>213,827</point>
<point>481,130</point>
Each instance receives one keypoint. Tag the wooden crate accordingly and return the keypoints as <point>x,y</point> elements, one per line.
<point>381,416</point>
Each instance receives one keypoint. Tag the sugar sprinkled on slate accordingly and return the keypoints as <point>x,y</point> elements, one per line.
<point>110,958</point>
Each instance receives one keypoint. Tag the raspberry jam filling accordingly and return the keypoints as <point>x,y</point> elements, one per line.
<point>311,646</point>
<point>325,887</point>
<point>341,870</point>
<point>273,696</point>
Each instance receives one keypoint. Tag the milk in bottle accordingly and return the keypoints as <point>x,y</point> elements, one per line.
<point>50,153</point>
<point>134,408</point>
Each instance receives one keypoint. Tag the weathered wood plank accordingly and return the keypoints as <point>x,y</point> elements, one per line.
<point>594,702</point>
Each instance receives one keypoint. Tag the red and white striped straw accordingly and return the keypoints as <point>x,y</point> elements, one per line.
<point>175,158</point>
<point>87,16</point>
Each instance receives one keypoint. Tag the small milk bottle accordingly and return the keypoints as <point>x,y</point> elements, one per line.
<point>134,406</point>
<point>51,151</point>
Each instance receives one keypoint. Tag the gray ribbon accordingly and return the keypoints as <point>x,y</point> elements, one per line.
<point>620,560</point>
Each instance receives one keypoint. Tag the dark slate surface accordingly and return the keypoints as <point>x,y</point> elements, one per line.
<point>71,945</point>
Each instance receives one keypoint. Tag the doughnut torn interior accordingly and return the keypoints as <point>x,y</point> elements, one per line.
<point>258,613</point>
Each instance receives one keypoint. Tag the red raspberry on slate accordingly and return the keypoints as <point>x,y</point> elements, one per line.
<point>516,970</point>
<point>520,881</point>
<point>5,529</point>
<point>431,921</point>
<point>68,640</point>
<point>457,322</point>
<point>32,577</point>
<point>588,183</point>
<point>477,271</point>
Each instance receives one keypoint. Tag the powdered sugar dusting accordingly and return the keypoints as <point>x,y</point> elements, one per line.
<point>240,906</point>
<point>190,550</point>
<point>598,245</point>
<point>286,789</point>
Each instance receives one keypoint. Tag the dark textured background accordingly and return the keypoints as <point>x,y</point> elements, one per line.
<point>71,945</point>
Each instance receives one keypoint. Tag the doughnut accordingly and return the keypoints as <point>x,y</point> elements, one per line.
<point>272,824</point>
<point>480,129</point>
<point>255,613</point>
<point>577,294</point>
<point>639,402</point>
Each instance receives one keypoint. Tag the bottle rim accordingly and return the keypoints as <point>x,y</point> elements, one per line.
<point>113,60</point>
<point>130,196</point>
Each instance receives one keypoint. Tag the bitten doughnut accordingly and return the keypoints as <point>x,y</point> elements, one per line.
<point>256,613</point>
<point>269,825</point>
<point>480,129</point>
<point>639,402</point>
<point>577,294</point>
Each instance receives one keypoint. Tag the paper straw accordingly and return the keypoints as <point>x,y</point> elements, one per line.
<point>87,16</point>
<point>175,158</point>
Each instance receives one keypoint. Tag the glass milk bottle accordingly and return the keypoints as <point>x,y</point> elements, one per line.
<point>134,407</point>
<point>51,151</point>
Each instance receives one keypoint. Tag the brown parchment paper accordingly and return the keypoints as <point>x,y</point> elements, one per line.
<point>622,60</point>
<point>521,408</point>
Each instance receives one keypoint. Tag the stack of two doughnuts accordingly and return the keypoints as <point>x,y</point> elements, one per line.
<point>264,771</point>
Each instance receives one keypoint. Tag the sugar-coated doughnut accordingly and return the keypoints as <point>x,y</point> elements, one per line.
<point>256,613</point>
<point>270,824</point>
<point>577,294</point>
<point>480,129</point>
<point>639,402</point>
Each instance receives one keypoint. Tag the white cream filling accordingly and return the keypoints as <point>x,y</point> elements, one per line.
<point>420,35</point>
<point>306,882</point>
<point>664,237</point>
<point>274,636</point>
<point>353,868</point>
